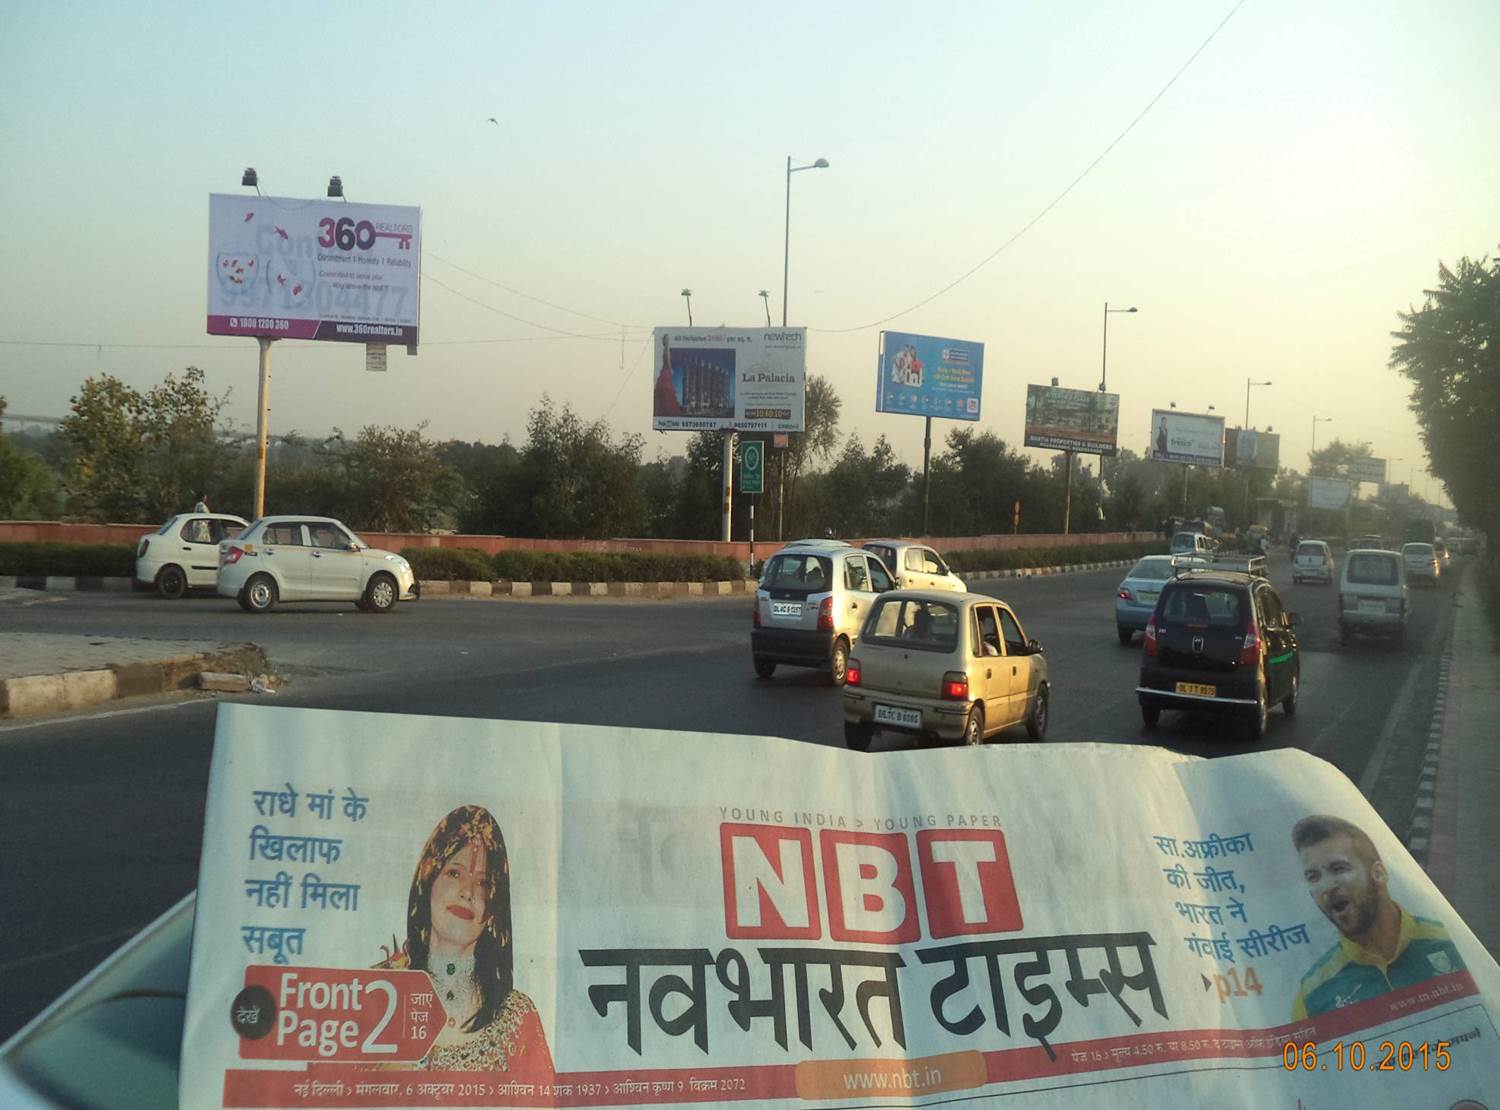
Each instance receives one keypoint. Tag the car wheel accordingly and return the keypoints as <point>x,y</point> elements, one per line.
<point>1125,634</point>
<point>380,594</point>
<point>260,594</point>
<point>838,662</point>
<point>171,583</point>
<point>857,736</point>
<point>974,726</point>
<point>1036,724</point>
<point>362,605</point>
<point>1262,716</point>
<point>243,601</point>
<point>1289,703</point>
<point>1150,715</point>
<point>765,668</point>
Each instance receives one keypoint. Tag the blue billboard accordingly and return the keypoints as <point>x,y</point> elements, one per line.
<point>926,375</point>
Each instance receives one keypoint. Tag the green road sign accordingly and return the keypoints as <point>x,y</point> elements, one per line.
<point>753,467</point>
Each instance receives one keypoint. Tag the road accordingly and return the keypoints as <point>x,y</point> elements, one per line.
<point>101,812</point>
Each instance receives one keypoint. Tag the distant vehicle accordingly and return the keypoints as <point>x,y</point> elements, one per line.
<point>1313,561</point>
<point>1192,543</point>
<point>1220,642</point>
<point>916,567</point>
<point>1370,542</point>
<point>1418,530</point>
<point>310,558</point>
<point>953,666</point>
<point>810,604</point>
<point>1135,597</point>
<point>1421,561</point>
<point>1444,554</point>
<point>1372,595</point>
<point>183,554</point>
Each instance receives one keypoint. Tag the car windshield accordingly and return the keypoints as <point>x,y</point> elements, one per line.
<point>1419,550</point>
<point>1201,605</point>
<point>1184,542</point>
<point>800,572</point>
<point>1315,549</point>
<point>1152,570</point>
<point>1368,569</point>
<point>910,622</point>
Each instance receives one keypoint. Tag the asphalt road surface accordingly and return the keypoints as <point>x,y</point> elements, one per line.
<point>101,812</point>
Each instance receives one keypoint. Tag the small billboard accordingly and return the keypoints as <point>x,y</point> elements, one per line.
<point>313,269</point>
<point>1328,493</point>
<point>1072,419</point>
<point>926,375</point>
<point>1250,449</point>
<point>1187,437</point>
<point>752,379</point>
<point>1365,470</point>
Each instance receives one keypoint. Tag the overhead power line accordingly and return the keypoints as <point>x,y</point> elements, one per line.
<point>516,292</point>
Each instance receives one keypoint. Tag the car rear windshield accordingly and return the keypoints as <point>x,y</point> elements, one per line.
<point>1372,570</point>
<point>1310,549</point>
<point>1183,541</point>
<point>908,622</point>
<point>808,574</point>
<point>1202,605</point>
<point>1155,570</point>
<point>1421,550</point>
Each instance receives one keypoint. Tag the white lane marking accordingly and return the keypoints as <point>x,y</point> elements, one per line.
<point>1382,749</point>
<point>21,726</point>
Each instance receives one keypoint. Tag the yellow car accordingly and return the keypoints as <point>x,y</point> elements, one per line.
<point>949,666</point>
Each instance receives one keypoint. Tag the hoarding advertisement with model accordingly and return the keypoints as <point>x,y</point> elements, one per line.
<point>927,375</point>
<point>408,911</point>
<point>1250,449</point>
<point>313,269</point>
<point>1187,437</point>
<point>1072,419</point>
<point>1329,493</point>
<point>749,379</point>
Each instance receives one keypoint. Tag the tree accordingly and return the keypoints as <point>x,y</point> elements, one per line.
<point>394,480</point>
<point>820,410</point>
<point>1331,461</point>
<point>1449,349</point>
<point>28,487</point>
<point>575,479</point>
<point>864,489</point>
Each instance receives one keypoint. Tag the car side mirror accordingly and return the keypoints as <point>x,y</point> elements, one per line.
<point>1033,648</point>
<point>352,546</point>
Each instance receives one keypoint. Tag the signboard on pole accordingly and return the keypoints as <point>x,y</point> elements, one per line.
<point>1328,493</point>
<point>1365,470</point>
<point>752,379</point>
<point>1249,449</point>
<point>753,467</point>
<point>1072,419</point>
<point>1187,437</point>
<point>313,269</point>
<point>926,375</point>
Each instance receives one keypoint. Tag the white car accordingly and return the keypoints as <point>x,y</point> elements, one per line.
<point>183,553</point>
<point>310,558</point>
<point>1421,562</point>
<point>1313,561</point>
<point>915,567</point>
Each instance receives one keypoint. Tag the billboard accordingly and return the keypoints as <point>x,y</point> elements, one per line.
<point>1187,437</point>
<point>752,379</point>
<point>926,375</point>
<point>1250,449</point>
<point>1328,493</point>
<point>313,269</point>
<point>1072,419</point>
<point>1365,470</point>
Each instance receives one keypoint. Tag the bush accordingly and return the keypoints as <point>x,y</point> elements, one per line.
<point>628,566</point>
<point>450,564</point>
<point>109,560</point>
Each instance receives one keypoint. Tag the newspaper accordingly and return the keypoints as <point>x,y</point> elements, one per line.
<point>435,912</point>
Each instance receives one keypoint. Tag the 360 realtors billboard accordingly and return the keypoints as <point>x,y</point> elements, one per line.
<point>1072,419</point>
<point>313,269</point>
<point>926,375</point>
<point>1187,437</point>
<point>752,379</point>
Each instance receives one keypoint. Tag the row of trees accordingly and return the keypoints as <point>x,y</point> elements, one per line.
<point>123,455</point>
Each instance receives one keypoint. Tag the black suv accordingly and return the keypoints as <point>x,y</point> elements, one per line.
<point>1219,642</point>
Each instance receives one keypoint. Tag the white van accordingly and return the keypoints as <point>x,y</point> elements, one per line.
<point>1372,595</point>
<point>1192,544</point>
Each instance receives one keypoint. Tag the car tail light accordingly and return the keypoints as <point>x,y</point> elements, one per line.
<point>955,686</point>
<point>232,556</point>
<point>141,548</point>
<point>825,615</point>
<point>1151,637</point>
<point>1125,595</point>
<point>852,673</point>
<point>1250,649</point>
<point>756,611</point>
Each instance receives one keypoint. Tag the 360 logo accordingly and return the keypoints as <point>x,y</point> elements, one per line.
<point>345,234</point>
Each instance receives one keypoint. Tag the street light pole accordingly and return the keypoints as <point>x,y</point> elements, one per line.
<point>1316,421</point>
<point>1248,384</point>
<point>1104,356</point>
<point>786,257</point>
<point>765,296</point>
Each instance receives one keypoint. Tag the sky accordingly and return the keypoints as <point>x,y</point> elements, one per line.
<point>1294,188</point>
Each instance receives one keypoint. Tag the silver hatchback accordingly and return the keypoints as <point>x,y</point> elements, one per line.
<point>811,601</point>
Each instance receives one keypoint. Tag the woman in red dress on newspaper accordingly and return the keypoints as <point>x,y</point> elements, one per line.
<point>458,930</point>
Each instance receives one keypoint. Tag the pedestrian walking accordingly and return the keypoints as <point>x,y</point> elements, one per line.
<point>202,505</point>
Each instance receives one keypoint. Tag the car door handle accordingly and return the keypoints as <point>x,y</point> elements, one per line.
<point>1014,670</point>
<point>987,674</point>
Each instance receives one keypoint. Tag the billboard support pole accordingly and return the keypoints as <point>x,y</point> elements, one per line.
<point>926,471</point>
<point>728,482</point>
<point>262,422</point>
<point>1186,469</point>
<point>1067,490</point>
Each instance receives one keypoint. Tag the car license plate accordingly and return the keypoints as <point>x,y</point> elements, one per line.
<point>892,715</point>
<point>1372,607</point>
<point>1198,688</point>
<point>1146,598</point>
<point>786,609</point>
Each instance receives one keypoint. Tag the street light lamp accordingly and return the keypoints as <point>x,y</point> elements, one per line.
<point>687,295</point>
<point>1248,384</point>
<point>1316,421</point>
<point>1104,357</point>
<point>786,248</point>
<point>765,296</point>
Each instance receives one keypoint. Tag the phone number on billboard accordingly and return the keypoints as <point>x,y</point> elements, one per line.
<point>261,322</point>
